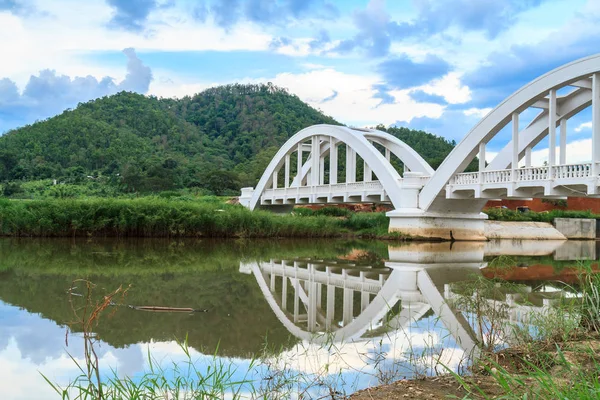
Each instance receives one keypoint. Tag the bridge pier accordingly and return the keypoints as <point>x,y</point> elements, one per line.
<point>441,226</point>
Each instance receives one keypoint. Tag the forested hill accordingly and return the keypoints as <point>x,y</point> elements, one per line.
<point>223,137</point>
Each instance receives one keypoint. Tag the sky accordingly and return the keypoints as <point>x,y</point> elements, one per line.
<point>435,65</point>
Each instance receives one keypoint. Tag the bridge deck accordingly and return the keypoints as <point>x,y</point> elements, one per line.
<point>356,192</point>
<point>574,180</point>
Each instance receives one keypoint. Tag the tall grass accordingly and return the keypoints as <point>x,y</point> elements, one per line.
<point>553,356</point>
<point>159,217</point>
<point>504,214</point>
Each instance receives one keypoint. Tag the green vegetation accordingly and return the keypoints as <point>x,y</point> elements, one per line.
<point>214,142</point>
<point>160,217</point>
<point>553,355</point>
<point>505,214</point>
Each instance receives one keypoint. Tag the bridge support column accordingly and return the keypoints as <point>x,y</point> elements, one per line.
<point>411,220</point>
<point>438,226</point>
<point>246,196</point>
<point>333,162</point>
<point>350,165</point>
<point>595,125</point>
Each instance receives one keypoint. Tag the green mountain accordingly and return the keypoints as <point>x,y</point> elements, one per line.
<point>219,139</point>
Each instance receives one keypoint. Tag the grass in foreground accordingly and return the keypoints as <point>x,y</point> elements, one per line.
<point>555,355</point>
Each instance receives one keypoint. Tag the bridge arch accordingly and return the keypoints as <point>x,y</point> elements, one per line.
<point>404,152</point>
<point>411,159</point>
<point>533,94</point>
<point>357,141</point>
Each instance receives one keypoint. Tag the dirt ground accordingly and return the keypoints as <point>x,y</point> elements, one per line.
<point>581,355</point>
<point>443,387</point>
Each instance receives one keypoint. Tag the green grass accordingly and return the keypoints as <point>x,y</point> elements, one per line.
<point>162,217</point>
<point>550,357</point>
<point>504,214</point>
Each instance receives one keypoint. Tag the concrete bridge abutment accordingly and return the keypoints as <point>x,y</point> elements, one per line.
<point>430,225</point>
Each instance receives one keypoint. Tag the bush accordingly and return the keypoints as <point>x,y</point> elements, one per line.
<point>504,214</point>
<point>11,189</point>
<point>333,212</point>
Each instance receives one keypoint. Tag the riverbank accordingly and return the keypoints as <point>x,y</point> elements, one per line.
<point>554,354</point>
<point>211,216</point>
<point>158,217</point>
<point>566,370</point>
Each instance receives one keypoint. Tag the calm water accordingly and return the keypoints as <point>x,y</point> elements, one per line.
<point>366,310</point>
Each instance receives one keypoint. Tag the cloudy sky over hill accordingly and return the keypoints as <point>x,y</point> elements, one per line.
<point>437,65</point>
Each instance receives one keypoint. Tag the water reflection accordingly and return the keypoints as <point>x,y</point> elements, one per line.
<point>405,302</point>
<point>383,303</point>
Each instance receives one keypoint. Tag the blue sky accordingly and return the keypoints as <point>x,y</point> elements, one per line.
<point>437,65</point>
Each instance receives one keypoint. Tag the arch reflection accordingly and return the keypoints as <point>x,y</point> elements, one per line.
<point>337,300</point>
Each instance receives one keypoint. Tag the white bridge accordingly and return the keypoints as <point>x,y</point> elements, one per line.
<point>446,203</point>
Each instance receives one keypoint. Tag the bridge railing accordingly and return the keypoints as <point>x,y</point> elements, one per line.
<point>466,178</point>
<point>527,174</point>
<point>326,188</point>
<point>572,171</point>
<point>532,174</point>
<point>500,176</point>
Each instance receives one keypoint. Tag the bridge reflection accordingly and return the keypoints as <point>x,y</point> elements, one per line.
<point>322,301</point>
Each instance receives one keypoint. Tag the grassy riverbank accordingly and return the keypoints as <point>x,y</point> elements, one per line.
<point>505,214</point>
<point>203,216</point>
<point>159,217</point>
<point>552,355</point>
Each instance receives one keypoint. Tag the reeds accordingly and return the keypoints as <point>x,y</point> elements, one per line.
<point>159,217</point>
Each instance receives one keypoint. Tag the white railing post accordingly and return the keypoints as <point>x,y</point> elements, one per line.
<point>552,132</point>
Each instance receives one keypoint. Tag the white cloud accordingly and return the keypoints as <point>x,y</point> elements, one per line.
<point>450,88</point>
<point>164,87</point>
<point>479,112</point>
<point>64,31</point>
<point>578,151</point>
<point>582,126</point>
<point>310,66</point>
<point>354,103</point>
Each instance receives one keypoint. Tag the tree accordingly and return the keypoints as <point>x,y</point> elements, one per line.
<point>219,182</point>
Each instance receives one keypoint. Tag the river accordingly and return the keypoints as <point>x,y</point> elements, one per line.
<point>338,315</point>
